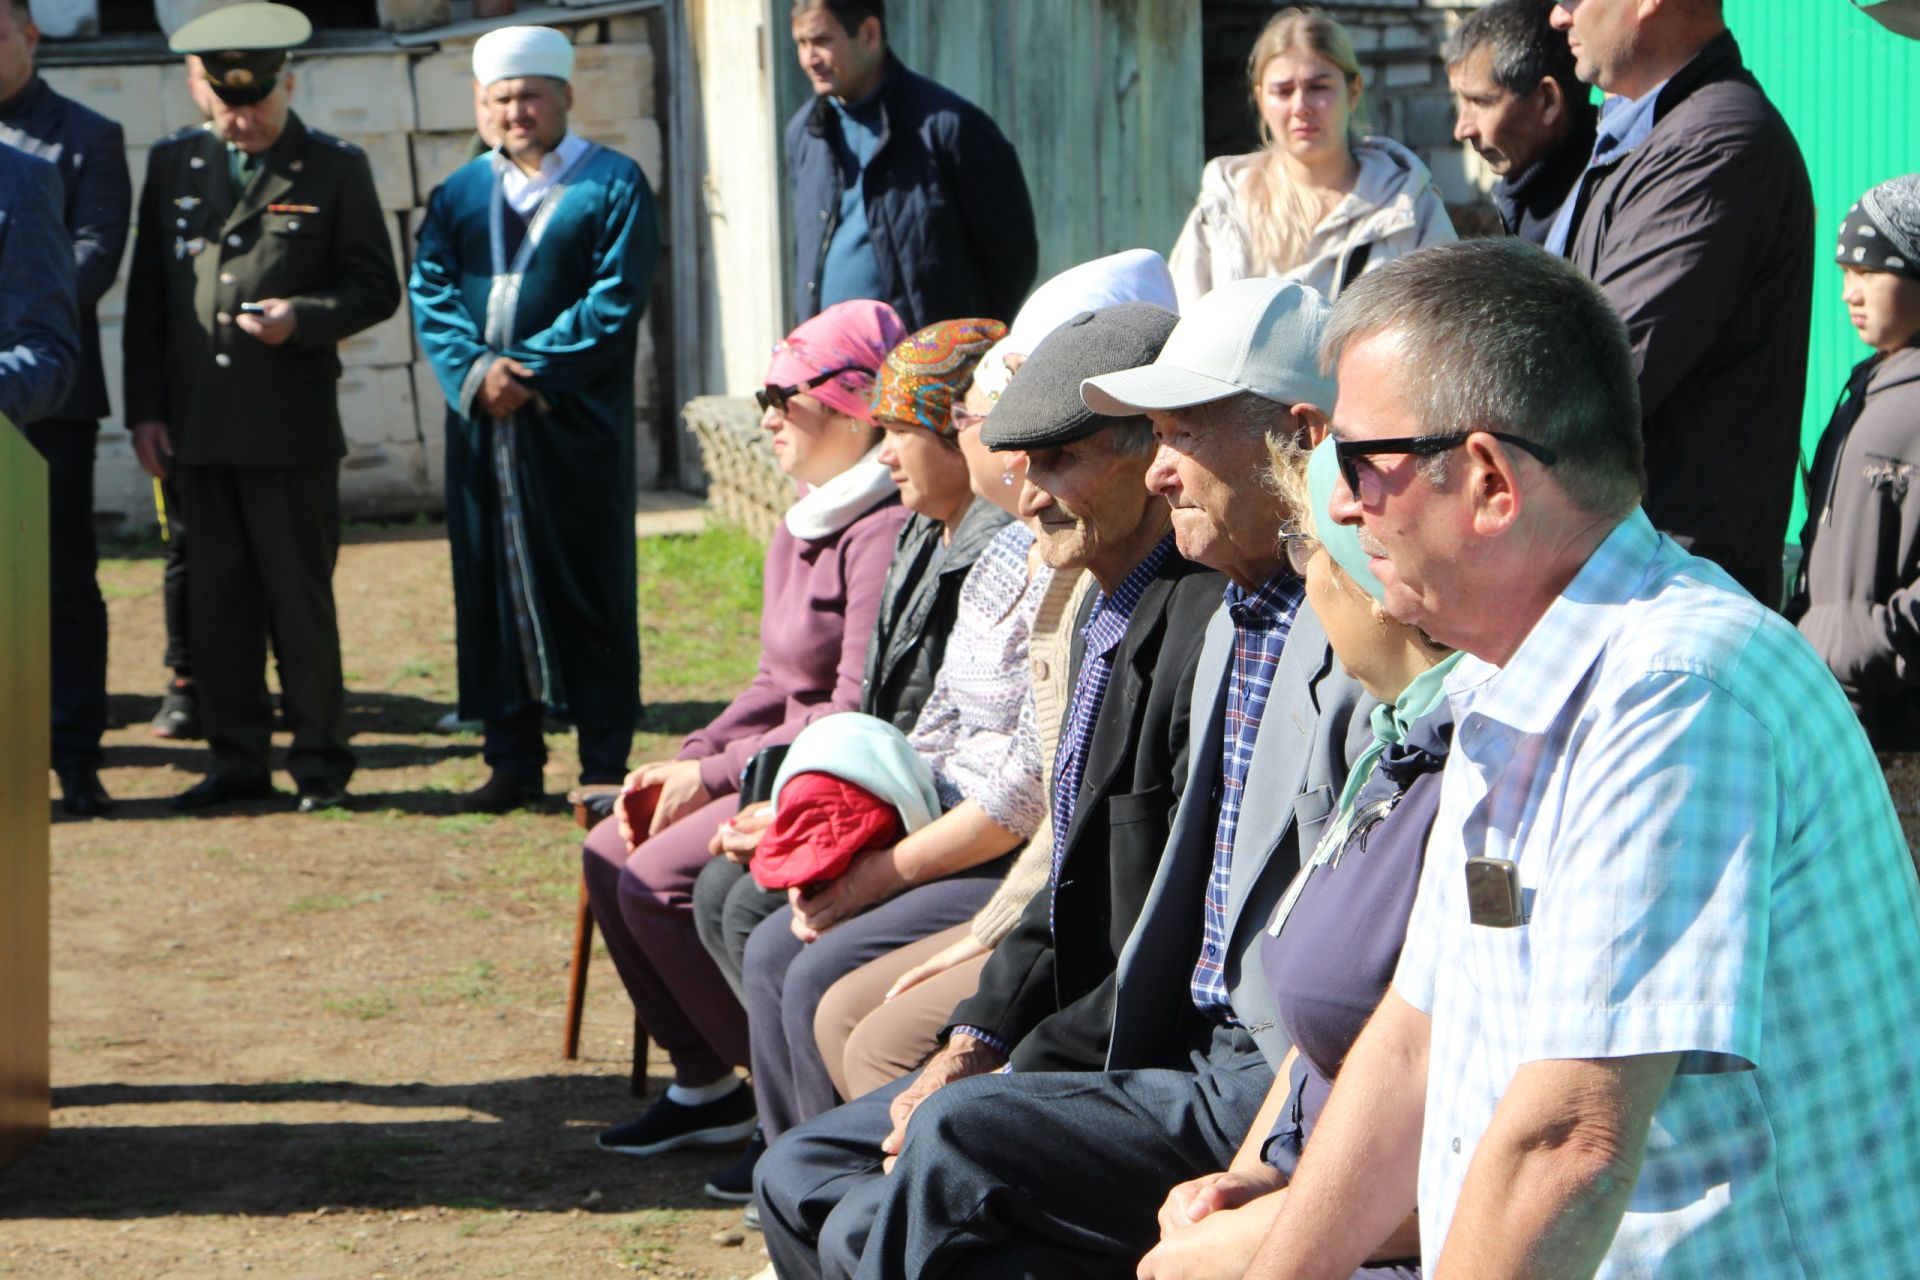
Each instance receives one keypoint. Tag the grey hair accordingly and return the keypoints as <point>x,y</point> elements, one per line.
<point>1250,411</point>
<point>1526,49</point>
<point>1131,437</point>
<point>1497,335</point>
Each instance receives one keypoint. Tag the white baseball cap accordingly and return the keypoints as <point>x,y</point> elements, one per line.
<point>1260,336</point>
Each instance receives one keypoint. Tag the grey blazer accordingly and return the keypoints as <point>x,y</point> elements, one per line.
<point>1316,721</point>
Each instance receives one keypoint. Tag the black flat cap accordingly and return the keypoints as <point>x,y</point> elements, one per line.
<point>1042,407</point>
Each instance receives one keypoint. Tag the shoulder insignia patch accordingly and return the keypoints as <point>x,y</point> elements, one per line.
<point>320,135</point>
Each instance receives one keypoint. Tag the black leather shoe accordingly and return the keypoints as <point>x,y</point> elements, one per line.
<point>501,793</point>
<point>81,793</point>
<point>179,714</point>
<point>214,789</point>
<point>317,799</point>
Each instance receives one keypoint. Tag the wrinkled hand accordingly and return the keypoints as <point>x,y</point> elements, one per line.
<point>873,876</point>
<point>153,447</point>
<point>963,1056</point>
<point>501,394</point>
<point>1189,1202</point>
<point>681,791</point>
<point>954,953</point>
<point>740,835</point>
<point>1218,1247</point>
<point>272,326</point>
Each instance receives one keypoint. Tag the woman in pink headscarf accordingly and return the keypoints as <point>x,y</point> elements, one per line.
<point>824,573</point>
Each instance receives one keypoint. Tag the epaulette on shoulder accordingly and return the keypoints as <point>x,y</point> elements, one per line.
<point>321,135</point>
<point>183,135</point>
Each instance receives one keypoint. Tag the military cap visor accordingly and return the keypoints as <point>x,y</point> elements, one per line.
<point>243,47</point>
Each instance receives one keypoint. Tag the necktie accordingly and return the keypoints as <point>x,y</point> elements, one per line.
<point>240,170</point>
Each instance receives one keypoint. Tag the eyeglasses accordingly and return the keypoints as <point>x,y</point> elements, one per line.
<point>772,397</point>
<point>1364,482</point>
<point>965,419</point>
<point>1299,548</point>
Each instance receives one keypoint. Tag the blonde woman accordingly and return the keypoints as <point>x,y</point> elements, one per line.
<point>1319,202</point>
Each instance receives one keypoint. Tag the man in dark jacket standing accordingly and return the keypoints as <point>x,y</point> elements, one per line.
<point>90,154</point>
<point>1695,218</point>
<point>903,191</point>
<point>39,342</point>
<point>261,245</point>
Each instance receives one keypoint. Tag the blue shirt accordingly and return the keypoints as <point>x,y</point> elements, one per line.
<point>1261,621</point>
<point>1624,125</point>
<point>851,269</point>
<point>1709,865</point>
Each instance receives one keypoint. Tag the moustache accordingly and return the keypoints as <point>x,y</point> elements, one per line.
<point>1369,543</point>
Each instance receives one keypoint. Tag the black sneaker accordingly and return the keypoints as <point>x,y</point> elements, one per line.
<point>179,714</point>
<point>669,1125</point>
<point>734,1184</point>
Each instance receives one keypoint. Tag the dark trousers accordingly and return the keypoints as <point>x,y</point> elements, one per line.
<point>785,979</point>
<point>1034,1174</point>
<point>265,542</point>
<point>727,907</point>
<point>173,584</point>
<point>79,654</point>
<point>517,746</point>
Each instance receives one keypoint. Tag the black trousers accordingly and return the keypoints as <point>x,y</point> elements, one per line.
<point>79,615</point>
<point>516,745</point>
<point>265,540</point>
<point>173,584</point>
<point>1023,1174</point>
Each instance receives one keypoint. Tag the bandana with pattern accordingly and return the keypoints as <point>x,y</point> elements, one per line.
<point>1882,231</point>
<point>925,374</point>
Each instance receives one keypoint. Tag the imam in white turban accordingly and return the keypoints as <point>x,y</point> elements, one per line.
<point>513,52</point>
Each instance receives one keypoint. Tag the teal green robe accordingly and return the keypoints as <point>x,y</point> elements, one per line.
<point>540,505</point>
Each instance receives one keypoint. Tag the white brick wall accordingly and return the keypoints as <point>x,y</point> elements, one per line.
<point>358,93</point>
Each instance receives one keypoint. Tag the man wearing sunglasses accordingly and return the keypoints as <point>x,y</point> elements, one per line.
<point>1655,1011</point>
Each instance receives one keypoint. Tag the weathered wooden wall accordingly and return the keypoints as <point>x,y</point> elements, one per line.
<point>24,1095</point>
<point>1101,98</point>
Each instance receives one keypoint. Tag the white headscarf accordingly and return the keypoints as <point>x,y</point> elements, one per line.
<point>512,52</point>
<point>1132,275</point>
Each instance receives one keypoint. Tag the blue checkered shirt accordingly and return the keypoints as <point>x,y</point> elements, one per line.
<point>1106,628</point>
<point>1261,621</point>
<point>1710,866</point>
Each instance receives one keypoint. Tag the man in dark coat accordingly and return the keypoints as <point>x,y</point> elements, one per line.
<point>261,245</point>
<point>39,320</point>
<point>902,190</point>
<point>1695,218</point>
<point>90,154</point>
<point>531,275</point>
<point>1519,105</point>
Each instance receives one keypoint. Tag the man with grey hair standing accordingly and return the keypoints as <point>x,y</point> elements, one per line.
<point>1695,218</point>
<point>1655,1011</point>
<point>1519,105</point>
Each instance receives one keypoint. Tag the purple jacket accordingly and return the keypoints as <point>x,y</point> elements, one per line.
<point>817,613</point>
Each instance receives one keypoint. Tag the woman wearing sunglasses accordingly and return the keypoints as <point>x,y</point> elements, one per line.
<point>1338,929</point>
<point>825,572</point>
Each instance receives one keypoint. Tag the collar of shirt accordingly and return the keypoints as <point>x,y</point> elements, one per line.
<point>1624,124</point>
<point>1107,623</point>
<point>1271,604</point>
<point>524,192</point>
<point>1529,691</point>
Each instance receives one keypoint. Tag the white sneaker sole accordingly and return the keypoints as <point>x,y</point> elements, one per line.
<point>719,1136</point>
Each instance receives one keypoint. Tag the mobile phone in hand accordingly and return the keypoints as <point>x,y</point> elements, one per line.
<point>252,309</point>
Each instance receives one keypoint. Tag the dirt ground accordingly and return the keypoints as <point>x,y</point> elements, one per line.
<point>329,1046</point>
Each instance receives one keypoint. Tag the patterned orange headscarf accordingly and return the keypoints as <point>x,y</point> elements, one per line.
<point>925,374</point>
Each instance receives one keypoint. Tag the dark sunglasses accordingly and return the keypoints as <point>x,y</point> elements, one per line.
<point>1349,452</point>
<point>772,397</point>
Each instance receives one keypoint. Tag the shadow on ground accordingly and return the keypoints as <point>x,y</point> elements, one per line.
<point>258,1164</point>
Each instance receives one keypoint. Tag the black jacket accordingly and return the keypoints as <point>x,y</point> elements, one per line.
<point>918,603</point>
<point>90,153</point>
<point>1529,201</point>
<point>1702,238</point>
<point>39,342</point>
<point>947,205</point>
<point>1047,990</point>
<point>308,229</point>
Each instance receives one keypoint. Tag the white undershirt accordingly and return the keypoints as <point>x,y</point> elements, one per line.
<point>524,192</point>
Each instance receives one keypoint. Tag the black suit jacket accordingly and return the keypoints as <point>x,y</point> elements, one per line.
<point>1047,990</point>
<point>309,229</point>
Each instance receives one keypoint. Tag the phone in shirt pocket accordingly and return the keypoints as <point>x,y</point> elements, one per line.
<point>1494,897</point>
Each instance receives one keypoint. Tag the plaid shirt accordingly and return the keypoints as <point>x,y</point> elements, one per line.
<point>1261,621</point>
<point>1106,628</point>
<point>1709,865</point>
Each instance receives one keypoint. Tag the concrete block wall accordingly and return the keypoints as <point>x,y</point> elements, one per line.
<point>412,112</point>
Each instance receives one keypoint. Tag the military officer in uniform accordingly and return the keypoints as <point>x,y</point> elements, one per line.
<point>260,244</point>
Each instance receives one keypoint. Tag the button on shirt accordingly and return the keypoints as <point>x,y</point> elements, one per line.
<point>1261,621</point>
<point>1624,125</point>
<point>1710,865</point>
<point>1106,627</point>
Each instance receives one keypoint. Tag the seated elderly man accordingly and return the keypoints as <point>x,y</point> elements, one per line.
<point>1057,1167</point>
<point>1656,1007</point>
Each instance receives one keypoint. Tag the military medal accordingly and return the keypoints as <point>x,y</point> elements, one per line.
<point>184,248</point>
<point>186,202</point>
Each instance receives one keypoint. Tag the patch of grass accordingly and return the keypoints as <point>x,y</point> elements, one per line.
<point>699,613</point>
<point>332,901</point>
<point>472,984</point>
<point>366,1008</point>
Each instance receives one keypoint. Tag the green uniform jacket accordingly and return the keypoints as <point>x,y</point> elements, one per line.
<point>309,228</point>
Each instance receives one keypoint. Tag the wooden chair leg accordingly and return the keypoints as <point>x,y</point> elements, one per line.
<point>577,976</point>
<point>637,1085</point>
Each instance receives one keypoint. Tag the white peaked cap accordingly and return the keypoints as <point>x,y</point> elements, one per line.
<point>513,52</point>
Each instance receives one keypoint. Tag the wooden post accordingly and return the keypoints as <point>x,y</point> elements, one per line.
<point>25,1099</point>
